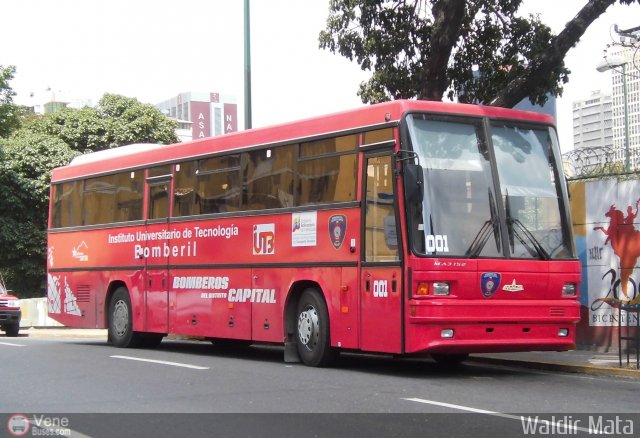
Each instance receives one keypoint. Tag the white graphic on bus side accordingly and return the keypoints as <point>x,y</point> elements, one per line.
<point>380,288</point>
<point>55,302</point>
<point>264,239</point>
<point>78,253</point>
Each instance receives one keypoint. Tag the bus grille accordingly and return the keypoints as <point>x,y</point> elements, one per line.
<point>83,293</point>
<point>556,311</point>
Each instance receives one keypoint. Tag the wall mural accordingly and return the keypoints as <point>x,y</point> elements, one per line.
<point>612,234</point>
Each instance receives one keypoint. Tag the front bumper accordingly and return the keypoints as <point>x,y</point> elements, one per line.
<point>10,316</point>
<point>479,327</point>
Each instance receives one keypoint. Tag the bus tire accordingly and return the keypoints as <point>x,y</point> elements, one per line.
<point>121,332</point>
<point>312,330</point>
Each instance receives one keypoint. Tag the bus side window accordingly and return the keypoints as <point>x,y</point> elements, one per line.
<point>99,200</point>
<point>67,204</point>
<point>185,199</point>
<point>159,200</point>
<point>129,190</point>
<point>269,176</point>
<point>327,171</point>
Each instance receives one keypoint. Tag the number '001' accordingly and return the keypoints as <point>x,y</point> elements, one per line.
<point>437,243</point>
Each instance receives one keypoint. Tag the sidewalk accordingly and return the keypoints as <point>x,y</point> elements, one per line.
<point>576,361</point>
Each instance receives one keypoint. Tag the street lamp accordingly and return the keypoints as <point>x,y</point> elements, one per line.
<point>610,64</point>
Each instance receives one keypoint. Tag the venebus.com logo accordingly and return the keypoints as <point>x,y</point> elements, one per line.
<point>38,425</point>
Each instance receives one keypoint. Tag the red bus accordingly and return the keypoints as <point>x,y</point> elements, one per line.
<point>404,227</point>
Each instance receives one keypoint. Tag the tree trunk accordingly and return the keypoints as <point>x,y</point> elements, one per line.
<point>523,85</point>
<point>448,16</point>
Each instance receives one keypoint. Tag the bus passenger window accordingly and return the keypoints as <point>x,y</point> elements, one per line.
<point>99,200</point>
<point>159,200</point>
<point>129,196</point>
<point>184,190</point>
<point>327,171</point>
<point>219,186</point>
<point>269,178</point>
<point>66,205</point>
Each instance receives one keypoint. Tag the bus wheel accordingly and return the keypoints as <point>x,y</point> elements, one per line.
<point>312,334</point>
<point>121,332</point>
<point>450,360</point>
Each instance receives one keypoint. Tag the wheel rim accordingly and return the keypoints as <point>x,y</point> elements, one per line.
<point>120,318</point>
<point>309,327</point>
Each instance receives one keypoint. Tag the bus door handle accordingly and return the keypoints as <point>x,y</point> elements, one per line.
<point>367,285</point>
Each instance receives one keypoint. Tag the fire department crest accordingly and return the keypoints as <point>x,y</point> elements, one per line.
<point>489,283</point>
<point>337,229</point>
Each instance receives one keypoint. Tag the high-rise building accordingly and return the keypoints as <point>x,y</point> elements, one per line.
<point>201,115</point>
<point>592,121</point>
<point>631,81</point>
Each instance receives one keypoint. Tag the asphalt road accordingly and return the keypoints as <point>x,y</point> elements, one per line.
<point>182,387</point>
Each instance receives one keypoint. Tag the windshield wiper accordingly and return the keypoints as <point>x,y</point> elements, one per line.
<point>537,249</point>
<point>483,235</point>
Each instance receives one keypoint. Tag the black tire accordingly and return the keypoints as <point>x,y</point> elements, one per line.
<point>121,332</point>
<point>12,330</point>
<point>450,360</point>
<point>312,330</point>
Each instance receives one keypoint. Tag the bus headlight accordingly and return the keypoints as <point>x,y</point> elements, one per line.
<point>447,333</point>
<point>569,290</point>
<point>563,332</point>
<point>441,289</point>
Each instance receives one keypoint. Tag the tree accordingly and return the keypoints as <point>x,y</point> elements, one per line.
<point>9,112</point>
<point>43,143</point>
<point>475,51</point>
<point>116,121</point>
<point>26,160</point>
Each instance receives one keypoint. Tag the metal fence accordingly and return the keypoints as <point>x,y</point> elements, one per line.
<point>598,161</point>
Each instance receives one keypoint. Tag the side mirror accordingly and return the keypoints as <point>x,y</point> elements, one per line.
<point>413,182</point>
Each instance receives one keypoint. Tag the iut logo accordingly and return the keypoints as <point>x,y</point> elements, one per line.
<point>264,239</point>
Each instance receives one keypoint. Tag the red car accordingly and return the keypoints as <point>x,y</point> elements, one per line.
<point>10,312</point>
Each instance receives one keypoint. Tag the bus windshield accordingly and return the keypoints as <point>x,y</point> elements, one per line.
<point>489,190</point>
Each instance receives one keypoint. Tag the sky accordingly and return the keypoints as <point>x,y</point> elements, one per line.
<point>155,49</point>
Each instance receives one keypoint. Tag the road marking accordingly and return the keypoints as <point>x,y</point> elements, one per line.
<point>162,362</point>
<point>11,344</point>
<point>521,418</point>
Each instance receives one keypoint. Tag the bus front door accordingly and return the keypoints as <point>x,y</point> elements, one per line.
<point>381,274</point>
<point>156,299</point>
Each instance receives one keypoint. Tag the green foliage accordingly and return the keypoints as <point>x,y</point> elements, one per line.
<point>473,51</point>
<point>116,121</point>
<point>9,113</point>
<point>43,143</point>
<point>26,160</point>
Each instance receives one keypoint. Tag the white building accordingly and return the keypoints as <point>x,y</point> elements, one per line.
<point>632,79</point>
<point>592,121</point>
<point>201,115</point>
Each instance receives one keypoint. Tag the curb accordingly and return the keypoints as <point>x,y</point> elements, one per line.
<point>38,332</point>
<point>563,367</point>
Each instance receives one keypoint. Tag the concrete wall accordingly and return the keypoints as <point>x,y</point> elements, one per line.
<point>34,313</point>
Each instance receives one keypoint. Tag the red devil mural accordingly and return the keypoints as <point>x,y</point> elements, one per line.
<point>625,242</point>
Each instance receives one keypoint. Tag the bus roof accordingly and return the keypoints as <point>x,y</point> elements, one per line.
<point>141,155</point>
